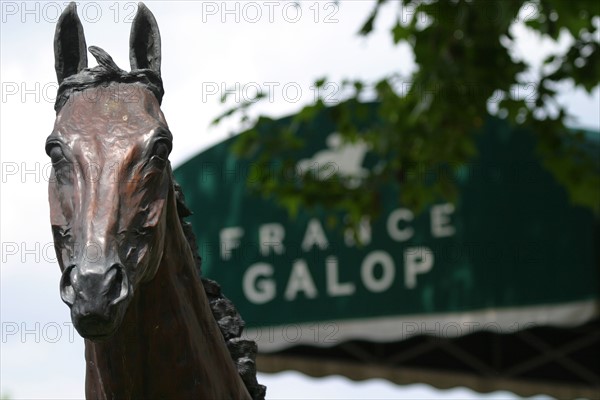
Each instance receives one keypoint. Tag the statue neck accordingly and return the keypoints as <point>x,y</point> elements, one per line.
<point>169,345</point>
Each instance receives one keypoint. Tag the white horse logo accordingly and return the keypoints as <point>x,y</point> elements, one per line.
<point>341,159</point>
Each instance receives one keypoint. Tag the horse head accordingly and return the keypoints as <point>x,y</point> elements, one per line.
<point>111,177</point>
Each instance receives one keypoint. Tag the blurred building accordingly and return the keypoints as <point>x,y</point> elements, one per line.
<point>499,291</point>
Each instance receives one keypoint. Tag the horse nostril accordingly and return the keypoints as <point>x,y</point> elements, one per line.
<point>118,288</point>
<point>67,293</point>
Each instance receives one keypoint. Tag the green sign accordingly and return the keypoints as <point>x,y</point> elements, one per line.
<point>511,253</point>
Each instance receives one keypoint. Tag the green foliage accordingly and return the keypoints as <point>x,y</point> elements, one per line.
<point>465,69</point>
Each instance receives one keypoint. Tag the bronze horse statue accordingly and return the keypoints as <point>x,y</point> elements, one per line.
<point>153,328</point>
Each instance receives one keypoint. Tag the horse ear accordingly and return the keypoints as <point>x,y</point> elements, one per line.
<point>70,53</point>
<point>144,41</point>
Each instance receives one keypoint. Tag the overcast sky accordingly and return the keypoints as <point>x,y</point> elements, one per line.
<point>207,47</point>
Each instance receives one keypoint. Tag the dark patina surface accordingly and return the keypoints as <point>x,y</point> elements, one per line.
<point>130,270</point>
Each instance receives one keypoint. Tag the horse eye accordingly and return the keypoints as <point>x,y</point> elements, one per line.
<point>162,150</point>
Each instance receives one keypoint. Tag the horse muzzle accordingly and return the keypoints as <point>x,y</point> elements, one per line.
<point>97,297</point>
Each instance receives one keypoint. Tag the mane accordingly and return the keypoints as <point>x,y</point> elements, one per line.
<point>231,324</point>
<point>104,73</point>
<point>243,352</point>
